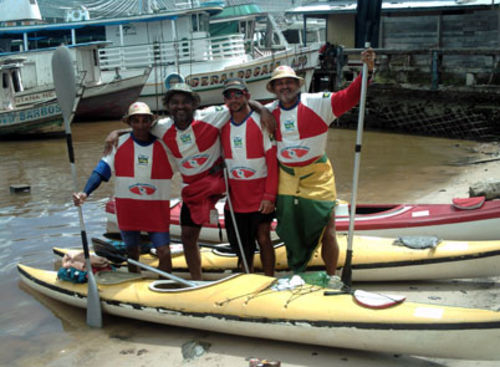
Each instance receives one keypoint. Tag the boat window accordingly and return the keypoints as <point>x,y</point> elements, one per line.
<point>17,82</point>
<point>195,23</point>
<point>204,22</point>
<point>200,22</point>
<point>5,80</point>
<point>292,36</point>
<point>95,57</point>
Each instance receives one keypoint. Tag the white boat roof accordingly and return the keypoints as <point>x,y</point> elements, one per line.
<point>13,10</point>
<point>110,21</point>
<point>392,6</point>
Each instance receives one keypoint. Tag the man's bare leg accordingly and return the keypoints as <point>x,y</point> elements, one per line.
<point>330,247</point>
<point>165,258</point>
<point>267,256</point>
<point>189,237</point>
<point>133,253</point>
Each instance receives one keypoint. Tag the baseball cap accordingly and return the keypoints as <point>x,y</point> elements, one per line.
<point>235,84</point>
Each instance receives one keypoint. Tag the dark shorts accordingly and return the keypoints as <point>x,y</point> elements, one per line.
<point>247,229</point>
<point>186,217</point>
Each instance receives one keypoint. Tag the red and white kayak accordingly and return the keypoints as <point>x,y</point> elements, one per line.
<point>463,219</point>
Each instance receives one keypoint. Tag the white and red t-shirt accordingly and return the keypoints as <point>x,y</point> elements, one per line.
<point>302,129</point>
<point>143,178</point>
<point>195,149</point>
<point>250,157</point>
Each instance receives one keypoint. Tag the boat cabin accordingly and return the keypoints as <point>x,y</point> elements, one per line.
<point>11,82</point>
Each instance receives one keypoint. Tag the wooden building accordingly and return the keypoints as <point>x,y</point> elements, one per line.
<point>438,65</point>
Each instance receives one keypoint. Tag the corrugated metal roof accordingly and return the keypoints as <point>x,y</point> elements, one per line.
<point>392,6</point>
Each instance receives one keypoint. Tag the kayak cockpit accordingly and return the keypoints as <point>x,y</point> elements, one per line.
<point>166,285</point>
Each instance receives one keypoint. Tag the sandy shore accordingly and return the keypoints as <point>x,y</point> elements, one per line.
<point>132,343</point>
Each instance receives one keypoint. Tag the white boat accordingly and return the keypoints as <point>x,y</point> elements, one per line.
<point>34,82</point>
<point>174,43</point>
<point>100,100</point>
<point>30,119</point>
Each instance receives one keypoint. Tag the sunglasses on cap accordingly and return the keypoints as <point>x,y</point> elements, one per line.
<point>233,93</point>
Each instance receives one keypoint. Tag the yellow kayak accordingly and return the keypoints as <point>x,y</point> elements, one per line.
<point>374,259</point>
<point>252,305</point>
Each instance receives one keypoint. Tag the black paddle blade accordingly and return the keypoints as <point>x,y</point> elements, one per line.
<point>107,250</point>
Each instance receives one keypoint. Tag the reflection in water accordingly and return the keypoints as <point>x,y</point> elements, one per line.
<point>394,168</point>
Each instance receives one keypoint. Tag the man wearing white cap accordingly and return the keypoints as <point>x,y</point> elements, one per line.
<point>143,177</point>
<point>306,192</point>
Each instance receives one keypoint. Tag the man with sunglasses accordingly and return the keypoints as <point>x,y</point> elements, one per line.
<point>306,192</point>
<point>250,158</point>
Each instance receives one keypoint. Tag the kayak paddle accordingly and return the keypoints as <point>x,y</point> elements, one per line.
<point>110,252</point>
<point>65,85</point>
<point>235,224</point>
<point>370,14</point>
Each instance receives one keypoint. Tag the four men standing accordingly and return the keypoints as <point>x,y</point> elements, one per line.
<point>306,192</point>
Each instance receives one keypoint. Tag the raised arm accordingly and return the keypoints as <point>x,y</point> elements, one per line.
<point>345,99</point>
<point>368,57</point>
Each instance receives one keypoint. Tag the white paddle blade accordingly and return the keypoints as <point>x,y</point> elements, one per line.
<point>63,73</point>
<point>94,312</point>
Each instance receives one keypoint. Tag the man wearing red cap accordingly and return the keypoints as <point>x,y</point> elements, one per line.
<point>306,193</point>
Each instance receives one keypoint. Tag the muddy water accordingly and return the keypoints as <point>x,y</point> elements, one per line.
<point>38,331</point>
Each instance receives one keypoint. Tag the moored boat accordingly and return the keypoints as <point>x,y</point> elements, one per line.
<point>250,305</point>
<point>33,119</point>
<point>446,221</point>
<point>374,258</point>
<point>110,101</point>
<point>99,101</point>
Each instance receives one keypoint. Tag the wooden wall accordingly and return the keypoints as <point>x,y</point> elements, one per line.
<point>465,29</point>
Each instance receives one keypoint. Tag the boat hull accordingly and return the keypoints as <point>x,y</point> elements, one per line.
<point>110,101</point>
<point>441,220</point>
<point>41,118</point>
<point>246,305</point>
<point>103,101</point>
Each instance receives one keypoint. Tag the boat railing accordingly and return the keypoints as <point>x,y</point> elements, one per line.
<point>172,53</point>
